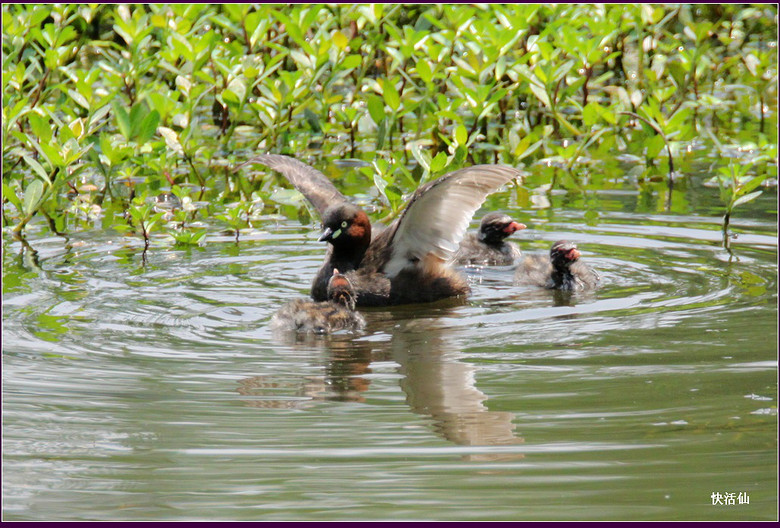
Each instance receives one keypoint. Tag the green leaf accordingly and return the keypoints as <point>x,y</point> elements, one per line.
<point>594,112</point>
<point>230,98</point>
<point>235,92</point>
<point>10,195</point>
<point>94,119</point>
<point>461,135</point>
<point>439,162</point>
<point>197,237</point>
<point>351,61</point>
<point>565,122</point>
<point>148,126</point>
<point>682,115</point>
<point>108,150</point>
<point>526,150</point>
<point>136,117</point>
<point>152,222</point>
<point>51,152</point>
<point>188,237</point>
<point>181,45</point>
<point>380,182</point>
<point>590,115</point>
<point>34,165</point>
<point>13,113</point>
<point>654,145</point>
<point>80,99</point>
<point>422,157</point>
<point>541,94</point>
<point>390,95</point>
<point>40,126</point>
<point>52,58</point>
<point>65,134</point>
<point>32,196</point>
<point>122,120</point>
<point>140,212</point>
<point>424,71</point>
<point>752,184</point>
<point>376,108</point>
<point>747,198</point>
<point>664,93</point>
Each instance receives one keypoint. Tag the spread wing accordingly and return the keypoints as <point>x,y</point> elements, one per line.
<point>438,214</point>
<point>310,182</point>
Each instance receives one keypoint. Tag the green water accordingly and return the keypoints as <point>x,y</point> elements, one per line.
<point>157,392</point>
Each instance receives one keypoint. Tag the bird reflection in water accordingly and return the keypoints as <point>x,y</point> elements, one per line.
<point>348,360</point>
<point>436,382</point>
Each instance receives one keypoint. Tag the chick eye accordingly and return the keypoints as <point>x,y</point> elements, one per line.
<point>344,223</point>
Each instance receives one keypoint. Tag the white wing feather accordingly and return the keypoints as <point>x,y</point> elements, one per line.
<point>436,220</point>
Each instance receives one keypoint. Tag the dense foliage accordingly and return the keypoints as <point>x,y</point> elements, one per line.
<point>107,106</point>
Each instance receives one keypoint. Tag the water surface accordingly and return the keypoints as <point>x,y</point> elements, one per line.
<point>157,391</point>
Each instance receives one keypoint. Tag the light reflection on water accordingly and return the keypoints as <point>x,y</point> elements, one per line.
<point>160,392</point>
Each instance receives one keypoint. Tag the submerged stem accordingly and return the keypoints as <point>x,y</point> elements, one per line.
<point>726,237</point>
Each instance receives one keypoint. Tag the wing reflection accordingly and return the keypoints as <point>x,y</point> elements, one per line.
<point>436,381</point>
<point>439,384</point>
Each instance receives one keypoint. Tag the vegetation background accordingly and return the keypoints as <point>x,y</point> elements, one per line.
<point>137,117</point>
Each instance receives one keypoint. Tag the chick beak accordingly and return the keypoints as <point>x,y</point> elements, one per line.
<point>514,226</point>
<point>327,235</point>
<point>574,254</point>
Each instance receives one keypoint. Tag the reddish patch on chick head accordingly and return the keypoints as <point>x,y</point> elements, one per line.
<point>340,290</point>
<point>513,226</point>
<point>573,254</point>
<point>339,281</point>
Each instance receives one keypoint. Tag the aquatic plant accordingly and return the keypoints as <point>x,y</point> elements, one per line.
<point>737,186</point>
<point>107,104</point>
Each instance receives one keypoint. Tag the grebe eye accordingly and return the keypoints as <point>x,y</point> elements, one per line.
<point>344,223</point>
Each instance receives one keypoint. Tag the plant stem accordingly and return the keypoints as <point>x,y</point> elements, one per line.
<point>39,90</point>
<point>726,237</point>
